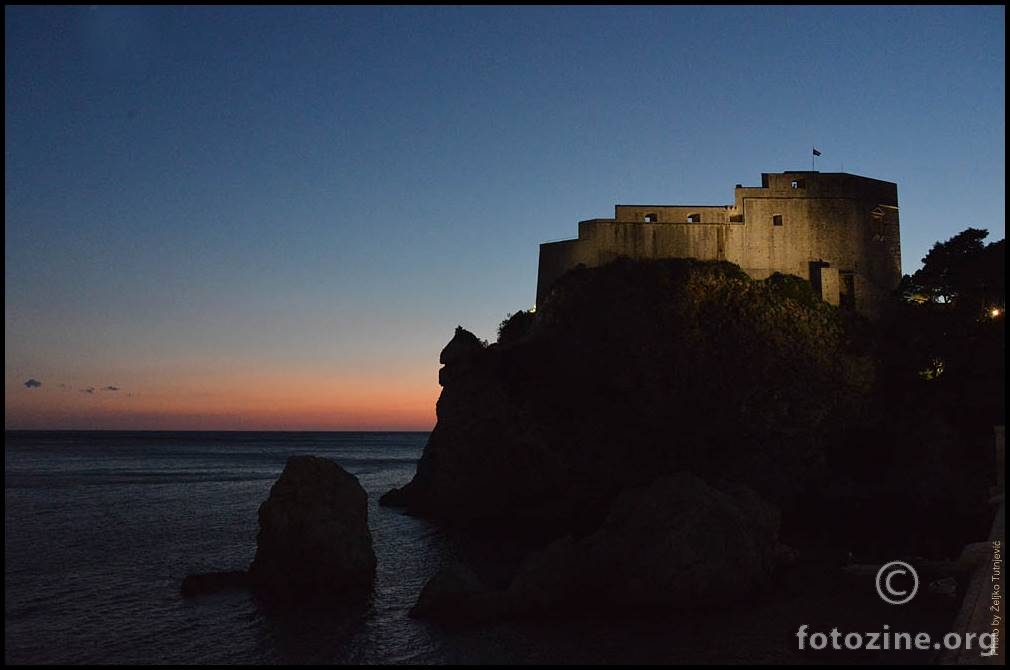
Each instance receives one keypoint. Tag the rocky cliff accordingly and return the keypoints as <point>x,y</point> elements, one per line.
<point>633,371</point>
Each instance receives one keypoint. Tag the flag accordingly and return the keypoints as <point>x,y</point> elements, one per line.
<point>816,152</point>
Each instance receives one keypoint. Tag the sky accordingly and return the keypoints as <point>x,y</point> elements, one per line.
<point>274,218</point>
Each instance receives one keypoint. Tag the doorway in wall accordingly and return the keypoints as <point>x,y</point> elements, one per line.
<point>815,276</point>
<point>847,290</point>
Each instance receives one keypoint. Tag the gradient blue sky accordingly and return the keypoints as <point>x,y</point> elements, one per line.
<point>274,218</point>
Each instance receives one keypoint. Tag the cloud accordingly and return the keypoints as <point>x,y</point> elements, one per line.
<point>110,388</point>
<point>90,389</point>
<point>33,383</point>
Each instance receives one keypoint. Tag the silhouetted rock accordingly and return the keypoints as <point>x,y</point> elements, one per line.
<point>212,582</point>
<point>397,497</point>
<point>677,543</point>
<point>631,371</point>
<point>462,346</point>
<point>314,540</point>
<point>454,594</point>
<point>457,356</point>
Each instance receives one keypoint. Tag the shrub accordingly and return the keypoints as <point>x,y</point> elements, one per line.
<point>515,327</point>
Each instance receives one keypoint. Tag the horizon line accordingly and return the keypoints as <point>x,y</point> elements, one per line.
<point>225,430</point>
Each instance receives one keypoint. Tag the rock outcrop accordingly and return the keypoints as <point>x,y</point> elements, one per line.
<point>632,371</point>
<point>677,543</point>
<point>313,539</point>
<point>463,346</point>
<point>456,595</point>
<point>313,542</point>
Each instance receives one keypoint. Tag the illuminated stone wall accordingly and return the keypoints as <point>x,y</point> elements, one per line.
<point>837,230</point>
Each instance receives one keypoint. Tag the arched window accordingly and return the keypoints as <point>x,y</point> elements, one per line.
<point>651,218</point>
<point>694,218</point>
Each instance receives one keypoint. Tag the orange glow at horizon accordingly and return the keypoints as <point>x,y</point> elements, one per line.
<point>267,402</point>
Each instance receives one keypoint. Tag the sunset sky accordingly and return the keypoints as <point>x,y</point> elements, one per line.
<point>272,218</point>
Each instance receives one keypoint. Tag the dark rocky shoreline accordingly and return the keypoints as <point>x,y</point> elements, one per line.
<point>685,378</point>
<point>663,436</point>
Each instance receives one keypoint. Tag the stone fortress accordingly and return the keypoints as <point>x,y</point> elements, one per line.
<point>837,230</point>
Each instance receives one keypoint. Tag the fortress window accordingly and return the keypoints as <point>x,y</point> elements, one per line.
<point>651,218</point>
<point>798,183</point>
<point>694,218</point>
<point>777,220</point>
<point>736,218</point>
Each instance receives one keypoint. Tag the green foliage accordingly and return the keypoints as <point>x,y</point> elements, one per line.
<point>946,324</point>
<point>962,271</point>
<point>793,288</point>
<point>515,327</point>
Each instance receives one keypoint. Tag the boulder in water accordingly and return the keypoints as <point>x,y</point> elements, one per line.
<point>313,539</point>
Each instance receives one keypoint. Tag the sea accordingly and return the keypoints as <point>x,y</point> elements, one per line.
<point>100,528</point>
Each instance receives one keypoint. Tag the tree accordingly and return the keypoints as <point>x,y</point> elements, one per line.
<point>962,271</point>
<point>949,331</point>
<point>515,327</point>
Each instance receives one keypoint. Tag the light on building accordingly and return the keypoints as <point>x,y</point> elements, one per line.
<point>995,312</point>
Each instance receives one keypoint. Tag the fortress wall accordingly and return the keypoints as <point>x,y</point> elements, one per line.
<point>673,214</point>
<point>838,231</point>
<point>887,264</point>
<point>825,185</point>
<point>812,230</point>
<point>603,240</point>
<point>829,286</point>
<point>611,239</point>
<point>556,258</point>
<point>844,223</point>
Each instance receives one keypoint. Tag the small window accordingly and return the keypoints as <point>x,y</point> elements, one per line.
<point>798,183</point>
<point>694,218</point>
<point>777,220</point>
<point>736,218</point>
<point>651,218</point>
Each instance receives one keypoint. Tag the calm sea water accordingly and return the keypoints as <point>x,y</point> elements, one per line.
<point>100,529</point>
